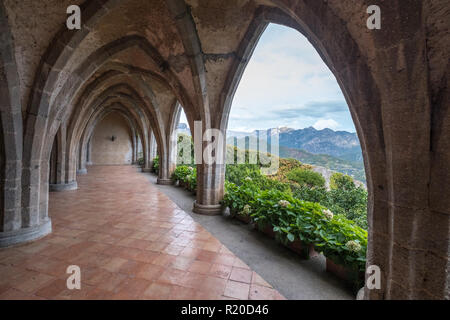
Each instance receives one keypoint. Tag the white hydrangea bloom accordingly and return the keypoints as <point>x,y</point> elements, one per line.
<point>328,214</point>
<point>283,203</point>
<point>246,210</point>
<point>353,246</point>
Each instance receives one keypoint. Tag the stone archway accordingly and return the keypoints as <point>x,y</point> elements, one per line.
<point>394,79</point>
<point>112,140</point>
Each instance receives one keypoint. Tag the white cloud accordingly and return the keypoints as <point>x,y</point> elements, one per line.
<point>326,123</point>
<point>286,83</point>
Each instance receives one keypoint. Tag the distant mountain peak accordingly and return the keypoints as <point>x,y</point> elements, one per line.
<point>286,129</point>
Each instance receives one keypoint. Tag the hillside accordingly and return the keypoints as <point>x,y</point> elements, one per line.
<point>354,169</point>
<point>340,144</point>
<point>336,150</point>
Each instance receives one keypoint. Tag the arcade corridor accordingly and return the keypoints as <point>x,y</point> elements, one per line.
<point>131,242</point>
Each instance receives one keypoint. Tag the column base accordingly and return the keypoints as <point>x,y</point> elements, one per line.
<point>11,238</point>
<point>82,172</point>
<point>146,170</point>
<point>360,295</point>
<point>164,182</point>
<point>63,186</point>
<point>208,210</point>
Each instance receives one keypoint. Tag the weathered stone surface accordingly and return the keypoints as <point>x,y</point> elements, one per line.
<point>143,59</point>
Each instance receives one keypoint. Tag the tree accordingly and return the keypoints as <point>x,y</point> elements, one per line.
<point>306,177</point>
<point>341,181</point>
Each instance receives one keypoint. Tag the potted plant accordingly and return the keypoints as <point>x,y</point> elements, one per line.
<point>344,244</point>
<point>352,277</point>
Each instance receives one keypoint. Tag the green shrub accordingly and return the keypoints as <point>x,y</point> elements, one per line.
<point>286,166</point>
<point>312,223</point>
<point>140,161</point>
<point>181,173</point>
<point>237,197</point>
<point>341,181</point>
<point>338,238</point>
<point>306,177</point>
<point>191,180</point>
<point>319,194</point>
<point>156,164</point>
<point>352,203</point>
<point>238,174</point>
<point>344,198</point>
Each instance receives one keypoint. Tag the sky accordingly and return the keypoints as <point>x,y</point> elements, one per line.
<point>287,84</point>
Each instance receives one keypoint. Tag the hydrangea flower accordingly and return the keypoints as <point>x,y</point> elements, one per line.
<point>246,210</point>
<point>283,203</point>
<point>190,169</point>
<point>328,214</point>
<point>353,246</point>
<point>248,179</point>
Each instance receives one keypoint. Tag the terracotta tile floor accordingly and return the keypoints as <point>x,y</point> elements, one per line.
<point>131,242</point>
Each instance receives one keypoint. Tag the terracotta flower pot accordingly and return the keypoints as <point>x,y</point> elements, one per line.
<point>243,218</point>
<point>305,251</point>
<point>354,279</point>
<point>268,230</point>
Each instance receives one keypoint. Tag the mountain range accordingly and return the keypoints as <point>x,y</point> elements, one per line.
<point>341,144</point>
<point>336,150</point>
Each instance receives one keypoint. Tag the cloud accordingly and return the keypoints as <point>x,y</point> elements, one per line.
<point>326,123</point>
<point>286,83</point>
<point>313,109</point>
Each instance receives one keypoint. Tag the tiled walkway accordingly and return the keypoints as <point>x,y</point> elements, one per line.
<point>131,242</point>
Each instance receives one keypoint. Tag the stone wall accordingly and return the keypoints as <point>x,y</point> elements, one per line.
<point>108,152</point>
<point>144,57</point>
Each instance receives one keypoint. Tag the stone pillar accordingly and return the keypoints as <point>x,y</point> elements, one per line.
<point>20,219</point>
<point>11,231</point>
<point>210,170</point>
<point>210,189</point>
<point>81,169</point>
<point>153,148</point>
<point>147,167</point>
<point>135,150</point>
<point>89,152</point>
<point>60,183</point>
<point>166,168</point>
<point>168,159</point>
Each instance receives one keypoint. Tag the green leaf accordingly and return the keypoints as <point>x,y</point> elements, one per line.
<point>291,237</point>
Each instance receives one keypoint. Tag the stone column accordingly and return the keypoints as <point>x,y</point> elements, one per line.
<point>135,156</point>
<point>153,148</point>
<point>10,187</point>
<point>168,159</point>
<point>210,189</point>
<point>60,184</point>
<point>167,166</point>
<point>89,152</point>
<point>81,169</point>
<point>146,154</point>
<point>210,170</point>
